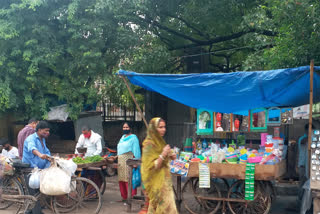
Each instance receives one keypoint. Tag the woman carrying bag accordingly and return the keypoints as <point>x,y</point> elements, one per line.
<point>128,148</point>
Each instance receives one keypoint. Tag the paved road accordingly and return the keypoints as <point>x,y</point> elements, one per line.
<point>282,205</point>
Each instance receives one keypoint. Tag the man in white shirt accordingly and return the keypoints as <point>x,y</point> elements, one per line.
<point>90,140</point>
<point>8,150</point>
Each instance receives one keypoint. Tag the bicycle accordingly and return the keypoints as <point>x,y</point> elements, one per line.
<point>15,192</point>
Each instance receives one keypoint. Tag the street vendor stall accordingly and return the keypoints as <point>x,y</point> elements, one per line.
<point>96,163</point>
<point>260,96</point>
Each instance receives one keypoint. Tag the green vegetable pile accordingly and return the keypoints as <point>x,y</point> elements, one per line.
<point>92,159</point>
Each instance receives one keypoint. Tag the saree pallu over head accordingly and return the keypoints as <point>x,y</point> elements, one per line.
<point>153,179</point>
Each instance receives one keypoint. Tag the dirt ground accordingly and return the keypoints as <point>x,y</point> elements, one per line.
<point>282,205</point>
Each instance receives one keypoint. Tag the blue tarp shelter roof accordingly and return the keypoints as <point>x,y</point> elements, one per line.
<point>233,92</point>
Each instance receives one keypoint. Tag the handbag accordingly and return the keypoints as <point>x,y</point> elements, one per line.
<point>136,178</point>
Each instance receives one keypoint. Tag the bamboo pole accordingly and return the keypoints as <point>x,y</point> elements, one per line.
<point>134,100</point>
<point>310,112</point>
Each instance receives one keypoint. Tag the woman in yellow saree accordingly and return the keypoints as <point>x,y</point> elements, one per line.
<point>155,169</point>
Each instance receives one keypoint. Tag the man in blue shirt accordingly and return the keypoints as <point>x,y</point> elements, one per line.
<point>35,151</point>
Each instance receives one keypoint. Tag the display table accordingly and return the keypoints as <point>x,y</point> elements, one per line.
<point>237,171</point>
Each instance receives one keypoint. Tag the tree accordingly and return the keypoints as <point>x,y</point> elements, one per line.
<point>297,41</point>
<point>53,52</point>
<point>219,29</point>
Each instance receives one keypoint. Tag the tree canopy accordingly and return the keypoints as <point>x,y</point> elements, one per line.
<point>53,52</point>
<point>62,51</point>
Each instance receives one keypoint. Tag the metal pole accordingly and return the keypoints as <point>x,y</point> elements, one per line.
<point>310,111</point>
<point>135,101</point>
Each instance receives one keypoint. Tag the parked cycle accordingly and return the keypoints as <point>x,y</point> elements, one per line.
<point>15,195</point>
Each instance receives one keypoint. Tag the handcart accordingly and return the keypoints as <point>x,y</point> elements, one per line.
<point>227,189</point>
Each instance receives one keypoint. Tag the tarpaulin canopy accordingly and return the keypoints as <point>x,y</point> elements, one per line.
<point>233,92</point>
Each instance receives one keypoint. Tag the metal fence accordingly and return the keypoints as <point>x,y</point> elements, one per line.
<point>111,112</point>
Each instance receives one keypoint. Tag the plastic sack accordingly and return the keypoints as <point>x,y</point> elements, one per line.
<point>136,178</point>
<point>54,181</point>
<point>7,169</point>
<point>34,180</point>
<point>67,165</point>
<point>306,198</point>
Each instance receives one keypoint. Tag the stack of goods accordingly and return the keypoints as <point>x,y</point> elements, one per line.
<point>92,159</point>
<point>179,167</point>
<point>205,152</point>
<point>315,159</point>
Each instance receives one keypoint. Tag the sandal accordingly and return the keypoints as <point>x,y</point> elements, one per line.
<point>144,209</point>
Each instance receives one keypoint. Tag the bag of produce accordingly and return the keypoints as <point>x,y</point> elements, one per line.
<point>67,165</point>
<point>54,181</point>
<point>7,169</point>
<point>34,180</point>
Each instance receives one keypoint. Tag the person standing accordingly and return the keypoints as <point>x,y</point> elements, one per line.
<point>92,141</point>
<point>36,153</point>
<point>89,140</point>
<point>128,148</point>
<point>155,170</point>
<point>24,133</point>
<point>8,150</point>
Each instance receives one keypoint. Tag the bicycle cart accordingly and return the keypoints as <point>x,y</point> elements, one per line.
<point>16,197</point>
<point>99,168</point>
<point>227,189</point>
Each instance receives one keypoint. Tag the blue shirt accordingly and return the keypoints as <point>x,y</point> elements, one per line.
<point>33,143</point>
<point>129,144</point>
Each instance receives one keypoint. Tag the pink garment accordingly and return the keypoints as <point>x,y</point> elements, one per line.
<point>124,190</point>
<point>23,134</point>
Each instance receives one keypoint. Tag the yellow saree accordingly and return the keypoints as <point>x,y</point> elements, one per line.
<point>157,182</point>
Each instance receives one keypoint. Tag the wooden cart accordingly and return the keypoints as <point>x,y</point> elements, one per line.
<point>100,167</point>
<point>228,190</point>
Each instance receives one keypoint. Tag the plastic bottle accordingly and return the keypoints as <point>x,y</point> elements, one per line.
<point>199,147</point>
<point>233,145</point>
<point>204,144</point>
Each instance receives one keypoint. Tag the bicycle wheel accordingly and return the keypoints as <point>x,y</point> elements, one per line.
<point>11,186</point>
<point>79,198</point>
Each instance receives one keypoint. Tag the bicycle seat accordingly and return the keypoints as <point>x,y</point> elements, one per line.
<point>20,165</point>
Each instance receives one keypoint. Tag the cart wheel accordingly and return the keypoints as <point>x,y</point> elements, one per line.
<point>260,205</point>
<point>266,187</point>
<point>110,171</point>
<point>191,194</point>
<point>104,184</point>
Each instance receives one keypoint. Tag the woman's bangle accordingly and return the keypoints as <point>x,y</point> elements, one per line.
<point>161,157</point>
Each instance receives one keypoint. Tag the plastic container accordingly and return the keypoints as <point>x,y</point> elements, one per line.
<point>279,142</point>
<point>269,138</point>
<point>269,148</point>
<point>263,138</point>
<point>255,159</point>
<point>276,131</point>
<point>204,144</point>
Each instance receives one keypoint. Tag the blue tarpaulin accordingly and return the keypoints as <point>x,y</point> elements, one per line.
<point>233,92</point>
